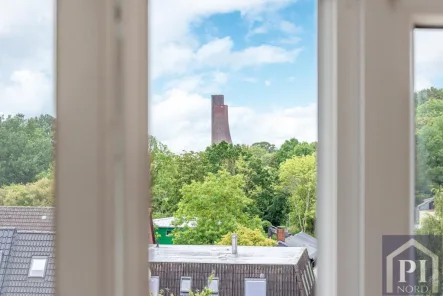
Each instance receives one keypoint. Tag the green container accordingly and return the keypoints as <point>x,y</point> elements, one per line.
<point>164,235</point>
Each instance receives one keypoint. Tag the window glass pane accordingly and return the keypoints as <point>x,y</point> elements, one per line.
<point>154,285</point>
<point>27,118</point>
<point>255,287</point>
<point>213,285</point>
<point>185,285</point>
<point>38,264</point>
<point>428,98</point>
<point>232,134</point>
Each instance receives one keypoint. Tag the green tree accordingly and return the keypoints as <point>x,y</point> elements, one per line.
<point>217,205</point>
<point>423,96</point>
<point>247,237</point>
<point>39,193</point>
<point>257,152</point>
<point>269,204</point>
<point>265,145</point>
<point>298,179</point>
<point>305,148</point>
<point>270,160</point>
<point>287,150</point>
<point>427,112</point>
<point>192,166</point>
<point>433,225</point>
<point>430,152</point>
<point>165,190</point>
<point>429,123</point>
<point>224,155</point>
<point>26,148</point>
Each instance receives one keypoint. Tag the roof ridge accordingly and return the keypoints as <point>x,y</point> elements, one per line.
<point>36,231</point>
<point>28,207</point>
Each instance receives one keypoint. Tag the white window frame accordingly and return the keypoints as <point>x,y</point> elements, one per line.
<point>101,147</point>
<point>101,162</point>
<point>366,138</point>
<point>31,272</point>
<point>185,278</point>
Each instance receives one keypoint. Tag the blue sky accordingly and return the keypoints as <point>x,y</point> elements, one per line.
<point>261,54</point>
<point>289,83</point>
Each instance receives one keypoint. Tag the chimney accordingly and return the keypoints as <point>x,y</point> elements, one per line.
<point>234,243</point>
<point>281,234</point>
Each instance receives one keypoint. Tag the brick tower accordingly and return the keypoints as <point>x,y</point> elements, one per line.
<point>220,122</point>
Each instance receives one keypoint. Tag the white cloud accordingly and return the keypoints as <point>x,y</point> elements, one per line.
<point>272,23</point>
<point>428,57</point>
<point>289,28</point>
<point>182,120</point>
<point>203,83</point>
<point>175,50</point>
<point>292,40</point>
<point>26,92</point>
<point>218,53</point>
<point>267,83</point>
<point>26,57</point>
<point>16,15</point>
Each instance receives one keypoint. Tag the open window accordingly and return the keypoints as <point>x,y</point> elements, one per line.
<point>365,151</point>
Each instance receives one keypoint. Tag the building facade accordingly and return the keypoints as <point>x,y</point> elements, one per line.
<point>251,271</point>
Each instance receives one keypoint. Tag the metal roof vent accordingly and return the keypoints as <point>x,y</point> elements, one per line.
<point>234,243</point>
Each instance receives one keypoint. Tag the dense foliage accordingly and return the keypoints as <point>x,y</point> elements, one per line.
<point>226,187</point>
<point>298,179</point>
<point>247,237</point>
<point>213,187</point>
<point>25,148</point>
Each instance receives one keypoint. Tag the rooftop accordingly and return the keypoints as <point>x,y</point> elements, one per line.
<point>222,254</point>
<point>27,218</point>
<point>169,223</point>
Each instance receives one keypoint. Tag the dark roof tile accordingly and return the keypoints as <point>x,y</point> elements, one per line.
<point>27,244</point>
<point>27,218</point>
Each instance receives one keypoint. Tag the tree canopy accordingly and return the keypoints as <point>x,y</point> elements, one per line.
<point>26,148</point>
<point>217,206</point>
<point>247,237</point>
<point>260,184</point>
<point>39,193</point>
<point>298,179</point>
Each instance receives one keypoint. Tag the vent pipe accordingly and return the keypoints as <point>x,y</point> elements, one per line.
<point>234,243</point>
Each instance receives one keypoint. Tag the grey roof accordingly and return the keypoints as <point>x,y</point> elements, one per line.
<point>6,239</point>
<point>169,223</point>
<point>17,249</point>
<point>27,244</point>
<point>285,269</point>
<point>425,202</point>
<point>223,254</point>
<point>27,218</point>
<point>302,240</point>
